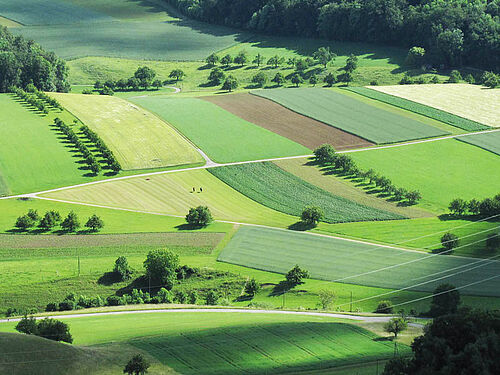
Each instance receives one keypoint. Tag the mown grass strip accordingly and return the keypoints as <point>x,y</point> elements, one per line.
<point>421,109</point>
<point>275,188</point>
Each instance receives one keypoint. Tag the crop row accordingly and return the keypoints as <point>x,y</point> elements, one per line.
<point>421,109</point>
<point>275,188</point>
<point>90,159</point>
<point>101,146</point>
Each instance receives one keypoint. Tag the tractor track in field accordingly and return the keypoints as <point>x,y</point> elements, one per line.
<point>212,164</point>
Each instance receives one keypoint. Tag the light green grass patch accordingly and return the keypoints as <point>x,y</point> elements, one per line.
<point>338,260</point>
<point>441,170</point>
<point>486,141</point>
<point>138,139</point>
<point>234,343</point>
<point>347,113</point>
<point>223,136</point>
<point>273,187</point>
<point>172,194</point>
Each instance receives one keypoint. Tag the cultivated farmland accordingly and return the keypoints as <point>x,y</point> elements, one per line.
<point>273,187</point>
<point>218,343</point>
<point>138,139</point>
<point>32,158</point>
<point>223,136</point>
<point>472,102</point>
<point>487,141</point>
<point>339,260</point>
<point>441,170</point>
<point>272,116</point>
<point>351,115</point>
<point>425,110</point>
<point>172,194</point>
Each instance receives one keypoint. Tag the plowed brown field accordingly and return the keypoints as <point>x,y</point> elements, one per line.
<point>280,120</point>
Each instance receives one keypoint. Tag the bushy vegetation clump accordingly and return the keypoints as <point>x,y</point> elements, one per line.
<point>48,328</point>
<point>488,207</point>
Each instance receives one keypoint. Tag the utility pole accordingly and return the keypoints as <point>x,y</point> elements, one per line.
<point>351,302</point>
<point>78,265</point>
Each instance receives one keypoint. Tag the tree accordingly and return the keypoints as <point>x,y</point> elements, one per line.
<point>258,60</point>
<point>406,80</point>
<point>413,197</point>
<point>193,297</point>
<point>70,223</point>
<point>297,79</point>
<point>230,84</point>
<point>384,307</point>
<point>279,79</point>
<point>330,79</point>
<point>469,78</point>
<point>122,268</point>
<point>33,215</point>
<point>106,90</point>
<point>346,77</point>
<point>458,206</point>
<point>24,222</point>
<point>325,154</point>
<point>260,79</point>
<point>53,329</point>
<point>326,298</point>
<point>396,326</point>
<point>324,56</point>
<point>445,300</point>
<point>133,83</point>
<point>50,220</point>
<point>226,60</point>
<point>434,79</point>
<point>138,365</point>
<point>27,325</point>
<point>199,216</point>
<point>241,58</point>
<point>295,275</point>
<point>301,65</point>
<point>98,85</point>
<point>251,287</point>
<point>415,56</point>
<point>177,74</point>
<point>474,206</point>
<point>145,75</point>
<point>490,79</point>
<point>94,223</point>
<point>450,45</point>
<point>493,241</point>
<point>351,63</point>
<point>311,215</point>
<point>275,61</point>
<point>212,298</point>
<point>161,267</point>
<point>110,83</point>
<point>212,60</point>
<point>313,80</point>
<point>122,84</point>
<point>181,297</point>
<point>216,76</point>
<point>449,241</point>
<point>455,77</point>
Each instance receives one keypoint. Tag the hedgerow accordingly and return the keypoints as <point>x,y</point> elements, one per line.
<point>101,146</point>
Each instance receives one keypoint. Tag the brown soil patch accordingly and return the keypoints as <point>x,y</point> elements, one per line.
<point>278,119</point>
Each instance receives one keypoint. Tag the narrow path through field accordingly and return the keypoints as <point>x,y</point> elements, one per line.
<point>359,318</point>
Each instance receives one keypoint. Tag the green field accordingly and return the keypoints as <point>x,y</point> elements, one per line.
<point>351,115</point>
<point>32,158</point>
<point>422,109</point>
<point>487,141</point>
<point>441,170</point>
<point>339,260</point>
<point>273,187</point>
<point>223,136</point>
<point>172,194</point>
<point>232,343</point>
<point>138,139</point>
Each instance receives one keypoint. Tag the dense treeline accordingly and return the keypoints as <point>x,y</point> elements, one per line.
<point>453,32</point>
<point>23,62</point>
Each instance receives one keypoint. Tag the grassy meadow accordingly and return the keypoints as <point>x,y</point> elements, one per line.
<point>486,141</point>
<point>338,260</point>
<point>138,139</point>
<point>223,136</point>
<point>280,190</point>
<point>473,102</point>
<point>441,170</point>
<point>351,115</point>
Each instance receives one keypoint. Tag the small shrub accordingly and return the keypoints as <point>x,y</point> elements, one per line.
<point>384,307</point>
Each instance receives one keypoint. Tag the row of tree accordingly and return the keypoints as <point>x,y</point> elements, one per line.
<point>451,32</point>
<point>486,207</point>
<point>92,136</point>
<point>52,219</point>
<point>23,62</point>
<point>326,155</point>
<point>30,99</point>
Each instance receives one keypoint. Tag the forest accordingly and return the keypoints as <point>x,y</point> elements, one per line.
<point>453,33</point>
<point>23,62</point>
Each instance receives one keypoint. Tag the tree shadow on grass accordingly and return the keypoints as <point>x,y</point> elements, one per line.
<point>109,278</point>
<point>187,226</point>
<point>300,226</point>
